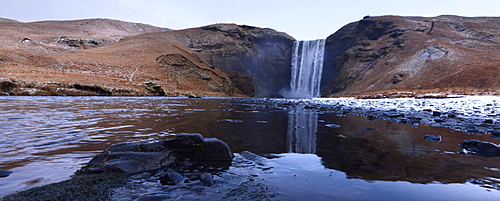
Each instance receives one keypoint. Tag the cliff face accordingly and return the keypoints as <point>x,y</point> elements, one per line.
<point>391,53</point>
<point>262,54</point>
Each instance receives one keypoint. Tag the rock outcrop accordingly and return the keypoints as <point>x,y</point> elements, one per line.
<point>415,54</point>
<point>262,54</point>
<point>134,158</point>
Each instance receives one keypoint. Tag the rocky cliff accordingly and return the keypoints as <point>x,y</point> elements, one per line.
<point>391,54</point>
<point>262,55</point>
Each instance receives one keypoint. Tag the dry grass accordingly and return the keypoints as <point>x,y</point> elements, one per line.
<point>123,65</point>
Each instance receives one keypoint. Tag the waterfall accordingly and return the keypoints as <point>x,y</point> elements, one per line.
<point>307,68</point>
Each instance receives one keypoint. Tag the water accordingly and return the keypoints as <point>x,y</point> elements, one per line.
<point>307,67</point>
<point>311,153</point>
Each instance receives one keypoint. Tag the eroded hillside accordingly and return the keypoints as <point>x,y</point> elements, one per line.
<point>392,54</point>
<point>102,57</point>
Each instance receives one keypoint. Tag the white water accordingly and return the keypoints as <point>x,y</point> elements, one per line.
<point>307,67</point>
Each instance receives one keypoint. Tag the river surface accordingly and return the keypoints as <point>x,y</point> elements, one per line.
<point>311,153</point>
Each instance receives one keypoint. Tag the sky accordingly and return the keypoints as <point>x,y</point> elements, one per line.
<point>301,19</point>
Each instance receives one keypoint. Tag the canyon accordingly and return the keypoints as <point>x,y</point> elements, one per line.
<point>385,56</point>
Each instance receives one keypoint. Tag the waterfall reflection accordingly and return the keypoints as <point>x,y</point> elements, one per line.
<point>302,128</point>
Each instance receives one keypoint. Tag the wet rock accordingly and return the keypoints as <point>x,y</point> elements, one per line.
<point>481,148</point>
<point>439,120</point>
<point>436,113</point>
<point>396,115</point>
<point>207,179</point>
<point>5,173</point>
<point>433,138</point>
<point>199,149</point>
<point>488,121</point>
<point>495,132</point>
<point>259,160</point>
<point>452,115</point>
<point>171,178</point>
<point>134,158</point>
<point>144,175</point>
<point>332,125</point>
<point>194,96</point>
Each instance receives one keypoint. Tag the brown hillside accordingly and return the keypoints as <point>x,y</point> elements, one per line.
<point>388,54</point>
<point>101,57</point>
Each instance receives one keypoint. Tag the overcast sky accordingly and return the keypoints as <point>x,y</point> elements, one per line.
<point>302,19</point>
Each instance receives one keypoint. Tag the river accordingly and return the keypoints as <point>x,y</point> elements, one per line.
<point>312,153</point>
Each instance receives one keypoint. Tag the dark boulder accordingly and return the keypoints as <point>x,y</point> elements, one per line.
<point>133,158</point>
<point>481,148</point>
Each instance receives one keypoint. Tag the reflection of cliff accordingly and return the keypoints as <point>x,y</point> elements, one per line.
<point>301,133</point>
<point>398,152</point>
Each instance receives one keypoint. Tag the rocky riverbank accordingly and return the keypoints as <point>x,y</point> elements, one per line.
<point>186,158</point>
<point>471,114</point>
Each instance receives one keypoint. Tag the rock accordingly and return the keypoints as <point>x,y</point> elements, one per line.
<point>396,115</point>
<point>134,158</point>
<point>5,173</point>
<point>495,132</point>
<point>481,148</point>
<point>144,175</point>
<point>436,113</point>
<point>26,40</point>
<point>243,82</point>
<point>259,160</point>
<point>207,179</point>
<point>263,55</point>
<point>452,115</point>
<point>332,125</point>
<point>433,138</point>
<point>488,121</point>
<point>154,88</point>
<point>439,120</point>
<point>171,178</point>
<point>194,96</point>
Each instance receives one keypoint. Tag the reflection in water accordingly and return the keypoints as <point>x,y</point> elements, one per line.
<point>302,128</point>
<point>46,139</point>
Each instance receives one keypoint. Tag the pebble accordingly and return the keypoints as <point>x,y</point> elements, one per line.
<point>433,138</point>
<point>171,178</point>
<point>332,125</point>
<point>207,179</point>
